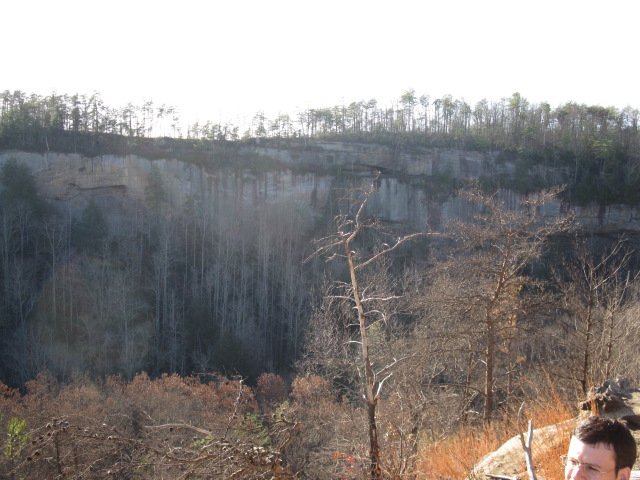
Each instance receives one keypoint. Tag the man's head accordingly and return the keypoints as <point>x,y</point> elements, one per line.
<point>600,449</point>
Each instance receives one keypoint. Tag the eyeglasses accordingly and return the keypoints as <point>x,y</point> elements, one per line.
<point>591,471</point>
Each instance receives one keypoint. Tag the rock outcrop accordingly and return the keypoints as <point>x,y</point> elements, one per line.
<point>396,160</point>
<point>614,399</point>
<point>403,197</point>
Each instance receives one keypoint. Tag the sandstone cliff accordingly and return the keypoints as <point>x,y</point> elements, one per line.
<point>119,181</point>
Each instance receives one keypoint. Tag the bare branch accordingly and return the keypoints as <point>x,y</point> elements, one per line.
<point>399,242</point>
<point>181,425</point>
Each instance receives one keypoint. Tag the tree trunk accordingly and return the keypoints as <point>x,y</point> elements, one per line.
<point>370,380</point>
<point>488,382</point>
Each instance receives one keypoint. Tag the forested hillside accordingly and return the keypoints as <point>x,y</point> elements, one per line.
<point>597,147</point>
<point>314,342</point>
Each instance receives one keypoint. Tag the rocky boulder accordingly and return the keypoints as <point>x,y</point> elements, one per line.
<point>614,399</point>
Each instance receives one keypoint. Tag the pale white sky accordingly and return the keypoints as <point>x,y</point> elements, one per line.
<point>225,60</point>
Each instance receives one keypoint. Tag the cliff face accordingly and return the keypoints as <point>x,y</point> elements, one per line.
<point>119,182</point>
<point>417,161</point>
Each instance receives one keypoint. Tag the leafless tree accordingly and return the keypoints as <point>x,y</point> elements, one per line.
<point>343,244</point>
<point>596,296</point>
<point>483,289</point>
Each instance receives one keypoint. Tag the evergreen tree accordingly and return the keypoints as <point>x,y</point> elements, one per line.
<point>19,187</point>
<point>92,229</point>
<point>155,193</point>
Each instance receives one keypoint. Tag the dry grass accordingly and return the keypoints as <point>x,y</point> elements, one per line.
<point>454,457</point>
<point>547,408</point>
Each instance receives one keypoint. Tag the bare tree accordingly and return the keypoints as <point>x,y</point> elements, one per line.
<point>595,295</point>
<point>618,309</point>
<point>343,244</point>
<point>483,288</point>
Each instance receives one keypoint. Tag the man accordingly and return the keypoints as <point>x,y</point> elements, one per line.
<point>600,449</point>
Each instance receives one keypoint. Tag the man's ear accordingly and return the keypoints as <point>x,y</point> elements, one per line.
<point>624,474</point>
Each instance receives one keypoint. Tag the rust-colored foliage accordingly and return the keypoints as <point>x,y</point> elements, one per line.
<point>311,389</point>
<point>184,427</point>
<point>271,389</point>
<point>168,427</point>
<point>455,455</point>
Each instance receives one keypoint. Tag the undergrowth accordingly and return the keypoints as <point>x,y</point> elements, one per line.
<point>454,457</point>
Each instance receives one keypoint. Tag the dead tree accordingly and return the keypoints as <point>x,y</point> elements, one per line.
<point>341,244</point>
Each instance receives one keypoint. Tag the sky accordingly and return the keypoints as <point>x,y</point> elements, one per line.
<point>226,60</point>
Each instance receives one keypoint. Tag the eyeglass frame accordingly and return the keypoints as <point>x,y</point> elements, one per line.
<point>565,461</point>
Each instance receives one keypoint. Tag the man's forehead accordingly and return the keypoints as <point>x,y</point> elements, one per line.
<point>599,453</point>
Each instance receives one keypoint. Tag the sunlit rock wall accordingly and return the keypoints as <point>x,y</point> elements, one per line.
<point>414,161</point>
<point>118,183</point>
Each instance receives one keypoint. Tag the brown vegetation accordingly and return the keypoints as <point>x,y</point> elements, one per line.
<point>455,456</point>
<point>172,426</point>
<point>184,427</point>
<point>399,364</point>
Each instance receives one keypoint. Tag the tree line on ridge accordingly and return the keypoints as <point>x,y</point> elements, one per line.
<point>598,148</point>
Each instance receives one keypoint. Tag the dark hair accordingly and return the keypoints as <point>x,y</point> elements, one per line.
<point>609,431</point>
